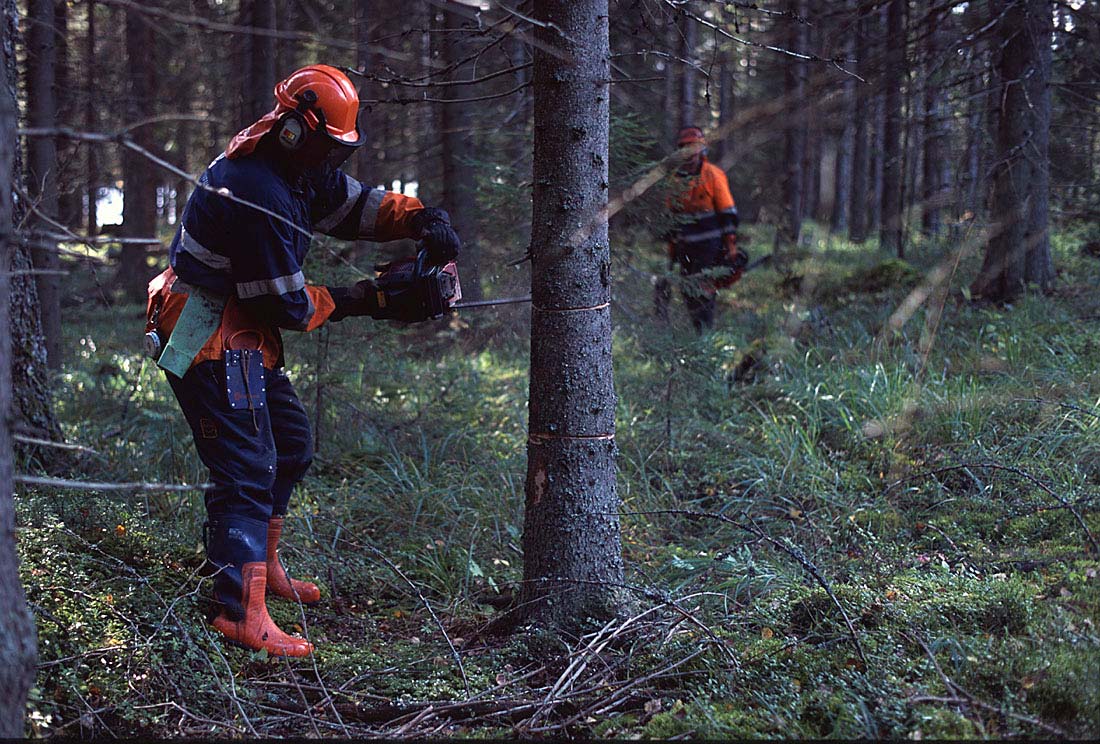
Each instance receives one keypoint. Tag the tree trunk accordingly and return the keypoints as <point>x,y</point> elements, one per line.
<point>686,106</point>
<point>794,85</point>
<point>18,654</point>
<point>91,174</point>
<point>890,230</point>
<point>842,181</point>
<point>725,108</point>
<point>935,130</point>
<point>861,152</point>
<point>42,182</point>
<point>459,184</point>
<point>671,117</point>
<point>139,206</point>
<point>262,61</point>
<point>878,120</point>
<point>972,182</point>
<point>571,541</point>
<point>1018,252</point>
<point>68,197</point>
<point>1039,268</point>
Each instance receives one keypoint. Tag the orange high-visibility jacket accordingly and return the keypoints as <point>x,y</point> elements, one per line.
<point>701,242</point>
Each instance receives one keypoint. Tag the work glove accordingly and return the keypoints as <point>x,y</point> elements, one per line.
<point>735,258</point>
<point>433,229</point>
<point>392,296</point>
<point>360,299</point>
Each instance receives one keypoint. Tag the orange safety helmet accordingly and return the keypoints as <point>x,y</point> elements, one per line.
<point>315,116</point>
<point>690,136</point>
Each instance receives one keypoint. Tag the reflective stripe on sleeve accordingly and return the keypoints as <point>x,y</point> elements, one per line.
<point>697,237</point>
<point>336,217</point>
<point>731,210</point>
<point>280,285</point>
<point>370,213</point>
<point>201,253</point>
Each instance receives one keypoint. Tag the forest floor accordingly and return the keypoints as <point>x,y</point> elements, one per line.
<point>845,515</point>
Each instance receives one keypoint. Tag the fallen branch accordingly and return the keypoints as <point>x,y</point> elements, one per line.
<point>38,480</point>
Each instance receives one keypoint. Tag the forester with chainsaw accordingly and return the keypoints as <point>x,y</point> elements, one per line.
<point>234,281</point>
<point>704,243</point>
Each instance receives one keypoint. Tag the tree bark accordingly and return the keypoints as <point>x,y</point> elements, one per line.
<point>68,197</point>
<point>935,174</point>
<point>1018,252</point>
<point>18,653</point>
<point>725,107</point>
<point>261,61</point>
<point>890,231</point>
<point>42,181</point>
<point>571,540</point>
<point>689,34</point>
<point>794,86</point>
<point>91,173</point>
<point>139,206</point>
<point>1039,268</point>
<point>459,184</point>
<point>861,152</point>
<point>842,181</point>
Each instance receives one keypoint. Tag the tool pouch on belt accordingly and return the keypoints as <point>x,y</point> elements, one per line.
<point>198,320</point>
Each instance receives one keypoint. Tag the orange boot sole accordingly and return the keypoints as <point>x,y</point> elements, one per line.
<point>257,630</point>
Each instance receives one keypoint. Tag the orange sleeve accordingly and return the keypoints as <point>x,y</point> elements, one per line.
<point>720,191</point>
<point>323,305</point>
<point>395,216</point>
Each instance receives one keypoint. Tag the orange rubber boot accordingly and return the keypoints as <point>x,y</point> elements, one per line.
<point>256,629</point>
<point>279,582</point>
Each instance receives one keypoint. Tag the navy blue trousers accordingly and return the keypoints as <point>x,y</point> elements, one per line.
<point>255,456</point>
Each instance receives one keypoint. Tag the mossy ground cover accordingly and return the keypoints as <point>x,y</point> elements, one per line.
<point>845,515</point>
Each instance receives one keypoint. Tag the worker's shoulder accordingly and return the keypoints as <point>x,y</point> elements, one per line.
<point>710,172</point>
<point>249,178</point>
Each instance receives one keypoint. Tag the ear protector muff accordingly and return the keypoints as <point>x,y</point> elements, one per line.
<point>293,128</point>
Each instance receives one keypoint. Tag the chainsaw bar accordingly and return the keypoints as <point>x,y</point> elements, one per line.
<point>490,303</point>
<point>527,298</point>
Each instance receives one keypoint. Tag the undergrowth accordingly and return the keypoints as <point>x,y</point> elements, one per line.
<point>936,466</point>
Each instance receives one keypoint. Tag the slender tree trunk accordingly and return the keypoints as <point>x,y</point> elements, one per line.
<point>91,175</point>
<point>18,654</point>
<point>42,181</point>
<point>861,152</point>
<point>935,130</point>
<point>459,184</point>
<point>671,101</point>
<point>878,139</point>
<point>811,164</point>
<point>971,179</point>
<point>842,182</point>
<point>68,190</point>
<point>890,231</point>
<point>139,207</point>
<point>794,88</point>
<point>725,107</point>
<point>1039,266</point>
<point>689,33</point>
<point>1020,231</point>
<point>571,540</point>
<point>262,61</point>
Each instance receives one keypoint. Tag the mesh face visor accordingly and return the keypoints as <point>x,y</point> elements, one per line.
<point>322,148</point>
